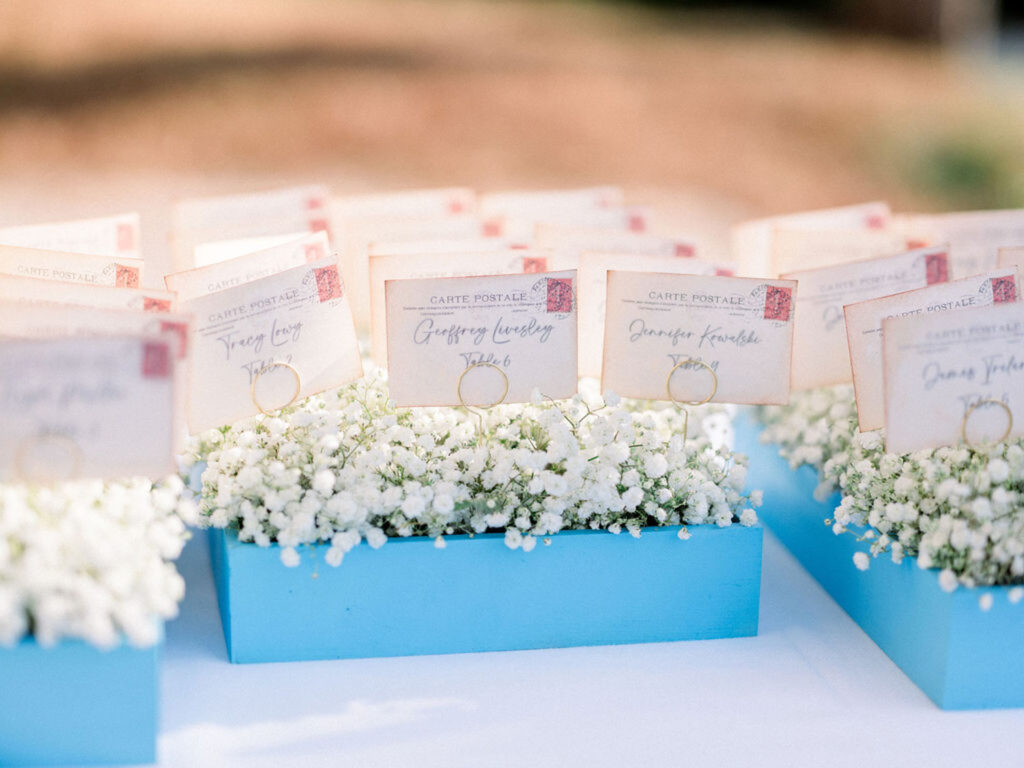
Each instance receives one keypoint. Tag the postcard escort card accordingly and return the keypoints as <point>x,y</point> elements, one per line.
<point>96,407</point>
<point>481,340</point>
<point>694,338</point>
<point>114,236</point>
<point>821,356</point>
<point>67,267</point>
<point>864,328</point>
<point>262,345</point>
<point>954,376</point>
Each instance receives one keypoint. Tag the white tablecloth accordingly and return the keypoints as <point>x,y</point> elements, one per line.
<point>810,690</point>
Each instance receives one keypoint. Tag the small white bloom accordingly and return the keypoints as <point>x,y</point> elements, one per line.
<point>861,560</point>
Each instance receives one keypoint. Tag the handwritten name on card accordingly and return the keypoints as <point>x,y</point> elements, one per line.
<point>481,340</point>
<point>99,407</point>
<point>821,356</point>
<point>244,269</point>
<point>113,236</point>
<point>454,264</point>
<point>864,328</point>
<point>266,343</point>
<point>952,376</point>
<point>90,269</point>
<point>694,337</point>
<point>593,274</point>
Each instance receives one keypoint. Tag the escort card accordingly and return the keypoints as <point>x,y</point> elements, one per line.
<point>273,212</point>
<point>864,328</point>
<point>100,407</point>
<point>357,234</point>
<point>116,271</point>
<point>580,240</point>
<point>269,342</point>
<point>216,251</point>
<point>522,229</point>
<point>973,237</point>
<point>416,202</point>
<point>593,273</point>
<point>724,339</point>
<point>1012,257</point>
<point>481,340</point>
<point>14,288</point>
<point>252,266</point>
<point>821,355</point>
<point>952,376</point>
<point>801,249</point>
<point>384,268</point>
<point>113,236</point>
<point>545,202</point>
<point>752,240</point>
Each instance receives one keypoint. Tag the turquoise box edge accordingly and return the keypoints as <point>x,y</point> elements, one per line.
<point>960,656</point>
<point>410,597</point>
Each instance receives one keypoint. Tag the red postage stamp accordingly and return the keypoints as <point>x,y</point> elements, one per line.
<point>493,228</point>
<point>328,283</point>
<point>151,304</point>
<point>533,264</point>
<point>156,360</point>
<point>777,303</point>
<point>637,222</point>
<point>126,277</point>
<point>936,267</point>
<point>180,331</point>
<point>320,224</point>
<point>1004,289</point>
<point>559,294</point>
<point>314,252</point>
<point>684,251</point>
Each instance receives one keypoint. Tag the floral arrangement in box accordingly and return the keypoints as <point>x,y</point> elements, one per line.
<point>957,509</point>
<point>91,560</point>
<point>346,466</point>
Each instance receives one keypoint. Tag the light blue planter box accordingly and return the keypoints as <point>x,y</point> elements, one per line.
<point>76,705</point>
<point>476,594</point>
<point>960,656</point>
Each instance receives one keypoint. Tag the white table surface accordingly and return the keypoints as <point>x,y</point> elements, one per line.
<point>810,690</point>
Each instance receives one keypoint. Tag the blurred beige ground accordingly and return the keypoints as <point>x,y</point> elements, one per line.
<point>107,105</point>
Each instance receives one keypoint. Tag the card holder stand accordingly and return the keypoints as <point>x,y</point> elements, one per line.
<point>263,370</point>
<point>684,403</point>
<point>974,407</point>
<point>464,404</point>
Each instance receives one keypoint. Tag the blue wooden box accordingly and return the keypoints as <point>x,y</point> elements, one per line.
<point>960,656</point>
<point>476,594</point>
<point>76,705</point>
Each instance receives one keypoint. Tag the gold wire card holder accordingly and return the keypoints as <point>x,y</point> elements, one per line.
<point>265,369</point>
<point>975,406</point>
<point>690,362</point>
<point>462,401</point>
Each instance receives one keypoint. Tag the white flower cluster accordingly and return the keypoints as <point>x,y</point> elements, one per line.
<point>957,509</point>
<point>347,466</point>
<point>91,560</point>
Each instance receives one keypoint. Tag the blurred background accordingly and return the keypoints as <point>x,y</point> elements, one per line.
<point>715,112</point>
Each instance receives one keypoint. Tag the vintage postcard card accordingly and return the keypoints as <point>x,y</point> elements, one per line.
<point>698,338</point>
<point>481,341</point>
<point>864,328</point>
<point>67,267</point>
<point>113,236</point>
<point>973,237</point>
<point>86,407</point>
<point>821,356</point>
<point>954,377</point>
<point>752,240</point>
<point>801,249</point>
<point>252,266</point>
<point>448,201</point>
<point>593,272</point>
<point>265,344</point>
<point>16,288</point>
<point>586,240</point>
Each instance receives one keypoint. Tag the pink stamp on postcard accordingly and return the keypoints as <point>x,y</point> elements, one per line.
<point>126,277</point>
<point>533,264</point>
<point>777,303</point>
<point>156,360</point>
<point>936,268</point>
<point>559,294</point>
<point>1004,289</point>
<point>328,283</point>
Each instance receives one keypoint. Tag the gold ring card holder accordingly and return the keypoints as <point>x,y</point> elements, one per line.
<point>263,370</point>
<point>973,408</point>
<point>21,456</point>
<point>668,390</point>
<point>464,404</point>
